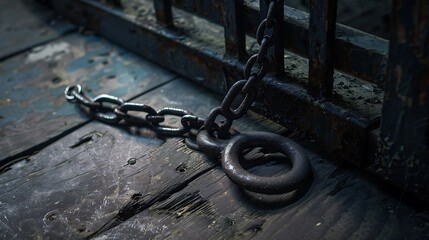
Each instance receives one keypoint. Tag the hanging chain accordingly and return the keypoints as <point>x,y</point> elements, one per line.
<point>213,135</point>
<point>254,71</point>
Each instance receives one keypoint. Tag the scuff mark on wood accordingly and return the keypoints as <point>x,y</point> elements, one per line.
<point>140,202</point>
<point>184,204</point>
<point>87,138</point>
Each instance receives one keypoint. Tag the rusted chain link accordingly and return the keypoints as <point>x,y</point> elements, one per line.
<point>214,133</point>
<point>259,63</point>
<point>111,109</point>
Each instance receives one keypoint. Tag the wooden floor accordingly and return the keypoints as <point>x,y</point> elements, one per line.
<point>54,186</point>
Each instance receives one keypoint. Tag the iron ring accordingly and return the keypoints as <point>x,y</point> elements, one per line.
<point>260,184</point>
<point>209,144</point>
<point>70,89</point>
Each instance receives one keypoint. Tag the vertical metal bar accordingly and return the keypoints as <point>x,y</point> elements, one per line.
<point>235,38</point>
<point>277,52</point>
<point>403,155</point>
<point>163,12</point>
<point>323,14</point>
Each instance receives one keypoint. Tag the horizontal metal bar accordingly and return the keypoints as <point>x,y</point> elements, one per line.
<point>335,127</point>
<point>351,45</point>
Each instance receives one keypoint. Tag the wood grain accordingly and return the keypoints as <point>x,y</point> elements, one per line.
<point>33,109</point>
<point>339,205</point>
<point>117,182</point>
<point>74,188</point>
<point>27,23</point>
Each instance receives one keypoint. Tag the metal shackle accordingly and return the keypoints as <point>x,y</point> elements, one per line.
<point>272,142</point>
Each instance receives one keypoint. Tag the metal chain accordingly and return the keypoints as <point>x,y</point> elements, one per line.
<point>112,110</point>
<point>254,71</point>
<point>213,137</point>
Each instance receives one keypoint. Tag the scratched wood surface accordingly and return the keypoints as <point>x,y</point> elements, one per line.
<point>72,178</point>
<point>27,23</point>
<point>91,189</point>
<point>33,109</point>
<point>338,205</point>
<point>70,190</point>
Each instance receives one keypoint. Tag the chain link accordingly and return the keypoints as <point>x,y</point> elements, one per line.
<point>113,110</point>
<point>265,35</point>
<point>123,112</point>
<point>232,94</point>
<point>215,139</point>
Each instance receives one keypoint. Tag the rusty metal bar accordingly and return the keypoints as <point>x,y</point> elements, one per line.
<point>323,14</point>
<point>235,38</point>
<point>284,101</point>
<point>163,12</point>
<point>351,45</point>
<point>277,52</point>
<point>404,138</point>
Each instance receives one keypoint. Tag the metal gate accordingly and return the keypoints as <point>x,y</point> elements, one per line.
<point>372,111</point>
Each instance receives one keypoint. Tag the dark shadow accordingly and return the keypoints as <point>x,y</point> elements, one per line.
<point>259,163</point>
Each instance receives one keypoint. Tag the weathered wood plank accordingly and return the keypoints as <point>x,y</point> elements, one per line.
<point>339,205</point>
<point>70,191</point>
<point>32,105</point>
<point>28,23</point>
